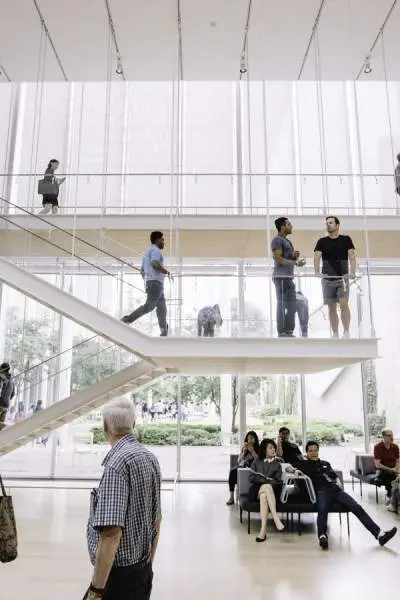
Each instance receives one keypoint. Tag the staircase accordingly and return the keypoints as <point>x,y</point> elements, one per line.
<point>73,407</point>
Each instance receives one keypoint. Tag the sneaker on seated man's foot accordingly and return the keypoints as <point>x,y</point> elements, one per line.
<point>386,536</point>
<point>323,542</point>
<point>125,320</point>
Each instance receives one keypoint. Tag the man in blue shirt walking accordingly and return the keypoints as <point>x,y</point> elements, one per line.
<point>153,273</point>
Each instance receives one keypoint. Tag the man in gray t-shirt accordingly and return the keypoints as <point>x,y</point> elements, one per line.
<point>285,259</point>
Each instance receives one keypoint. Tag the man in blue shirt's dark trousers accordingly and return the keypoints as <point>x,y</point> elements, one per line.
<point>153,273</point>
<point>328,490</point>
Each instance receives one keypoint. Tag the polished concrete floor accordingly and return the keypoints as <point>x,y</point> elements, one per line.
<point>204,552</point>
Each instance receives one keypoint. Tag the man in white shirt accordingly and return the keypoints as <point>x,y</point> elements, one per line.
<point>153,273</point>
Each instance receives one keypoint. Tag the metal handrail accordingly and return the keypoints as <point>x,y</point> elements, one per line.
<point>88,262</point>
<point>72,235</point>
<point>235,211</point>
<point>36,384</point>
<point>202,174</point>
<point>183,320</point>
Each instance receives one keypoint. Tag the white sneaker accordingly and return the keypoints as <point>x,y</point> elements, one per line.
<point>346,335</point>
<point>334,335</point>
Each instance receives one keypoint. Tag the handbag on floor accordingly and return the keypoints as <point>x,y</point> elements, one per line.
<point>8,527</point>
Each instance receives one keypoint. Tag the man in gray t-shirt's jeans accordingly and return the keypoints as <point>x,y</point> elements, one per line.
<point>285,259</point>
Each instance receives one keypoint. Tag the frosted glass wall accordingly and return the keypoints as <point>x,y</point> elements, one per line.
<point>302,146</point>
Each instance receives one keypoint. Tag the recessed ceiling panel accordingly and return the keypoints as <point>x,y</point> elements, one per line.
<point>278,37</point>
<point>81,36</point>
<point>148,36</point>
<point>213,34</point>
<point>212,39</point>
<point>346,31</point>
<point>25,52</point>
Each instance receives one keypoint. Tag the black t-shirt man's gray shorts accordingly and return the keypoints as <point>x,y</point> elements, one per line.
<point>335,267</point>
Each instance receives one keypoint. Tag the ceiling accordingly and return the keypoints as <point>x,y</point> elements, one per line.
<point>287,40</point>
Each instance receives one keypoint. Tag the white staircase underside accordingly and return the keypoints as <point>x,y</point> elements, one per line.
<point>206,236</point>
<point>197,355</point>
<point>73,407</point>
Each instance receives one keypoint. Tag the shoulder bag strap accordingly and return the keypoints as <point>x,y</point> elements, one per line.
<point>3,489</point>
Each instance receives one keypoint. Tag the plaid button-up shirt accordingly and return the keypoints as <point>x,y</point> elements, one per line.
<point>128,497</point>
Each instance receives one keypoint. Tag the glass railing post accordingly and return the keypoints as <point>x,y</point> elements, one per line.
<point>303,411</point>
<point>360,312</point>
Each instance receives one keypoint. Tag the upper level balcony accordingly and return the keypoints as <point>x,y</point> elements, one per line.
<point>203,215</point>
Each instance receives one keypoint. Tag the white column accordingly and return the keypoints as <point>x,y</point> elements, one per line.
<point>226,409</point>
<point>62,381</point>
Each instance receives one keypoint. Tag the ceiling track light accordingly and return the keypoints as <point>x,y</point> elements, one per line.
<point>367,66</point>
<point>119,70</point>
<point>243,65</point>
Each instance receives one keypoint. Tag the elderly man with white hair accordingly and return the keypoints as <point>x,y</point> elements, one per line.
<point>125,512</point>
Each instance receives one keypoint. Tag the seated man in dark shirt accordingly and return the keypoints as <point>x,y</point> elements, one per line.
<point>328,490</point>
<point>289,452</point>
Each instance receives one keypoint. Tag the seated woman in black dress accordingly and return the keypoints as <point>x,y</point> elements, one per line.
<point>248,453</point>
<point>268,474</point>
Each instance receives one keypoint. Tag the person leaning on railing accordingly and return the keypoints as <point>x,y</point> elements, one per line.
<point>285,259</point>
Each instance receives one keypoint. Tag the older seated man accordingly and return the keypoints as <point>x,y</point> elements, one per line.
<point>386,455</point>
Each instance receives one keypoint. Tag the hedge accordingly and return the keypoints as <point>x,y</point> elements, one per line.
<point>324,432</point>
<point>164,434</point>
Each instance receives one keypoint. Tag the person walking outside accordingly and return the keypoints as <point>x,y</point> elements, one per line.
<point>50,184</point>
<point>153,273</point>
<point>7,392</point>
<point>125,513</point>
<point>285,259</point>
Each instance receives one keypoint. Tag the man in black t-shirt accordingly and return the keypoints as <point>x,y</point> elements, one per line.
<point>337,251</point>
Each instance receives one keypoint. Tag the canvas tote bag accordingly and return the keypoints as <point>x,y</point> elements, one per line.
<point>8,527</point>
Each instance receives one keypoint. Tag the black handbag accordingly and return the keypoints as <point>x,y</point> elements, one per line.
<point>48,188</point>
